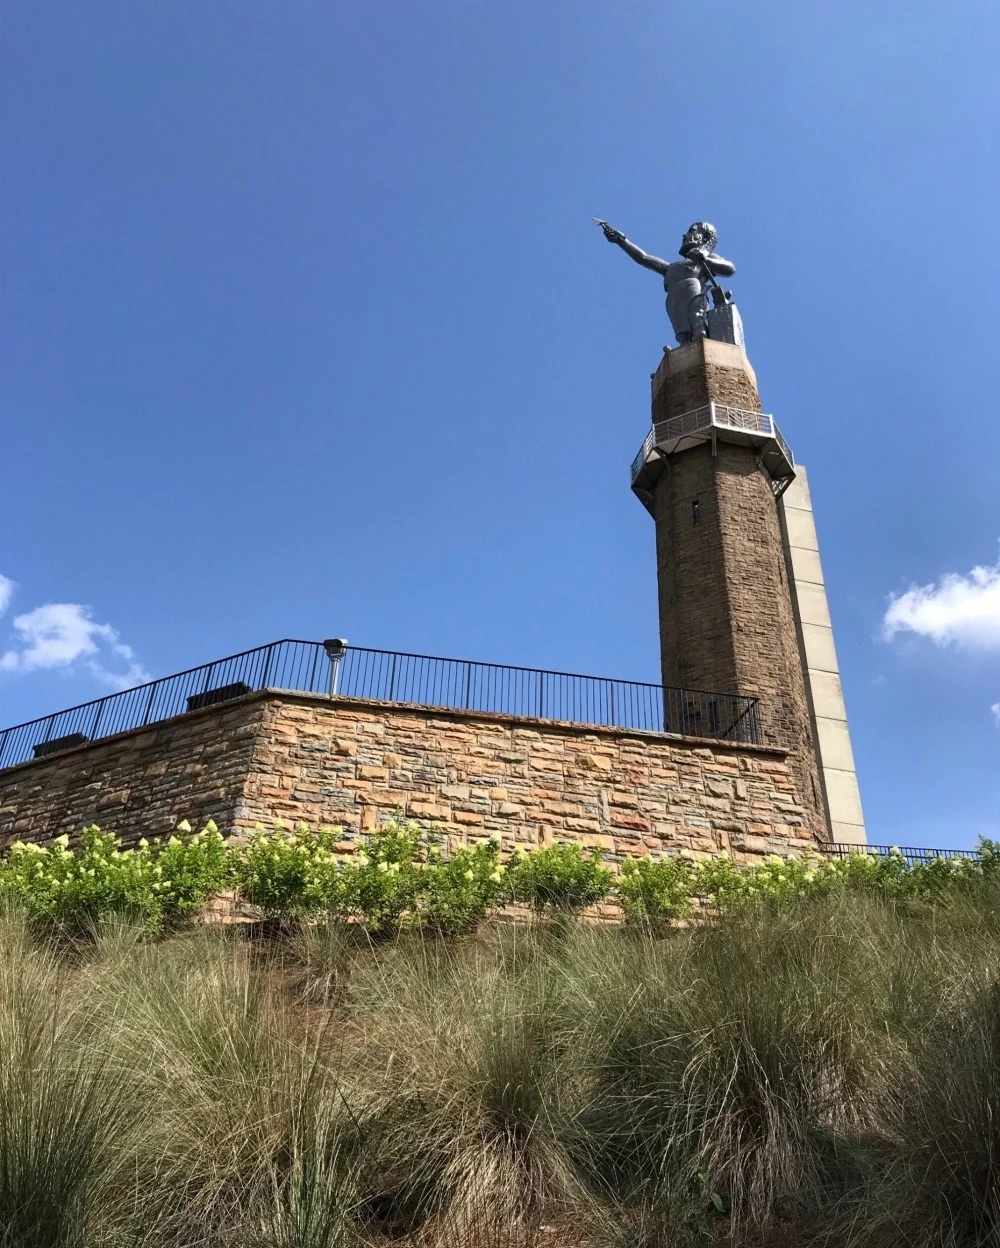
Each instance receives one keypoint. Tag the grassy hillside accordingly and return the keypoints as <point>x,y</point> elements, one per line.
<point>796,1070</point>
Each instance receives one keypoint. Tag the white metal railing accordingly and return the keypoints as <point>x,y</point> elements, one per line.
<point>668,434</point>
<point>648,442</point>
<point>717,414</point>
<point>740,418</point>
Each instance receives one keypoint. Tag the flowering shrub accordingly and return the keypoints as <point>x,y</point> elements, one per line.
<point>290,874</point>
<point>656,890</point>
<point>457,893</point>
<point>723,884</point>
<point>937,878</point>
<point>380,884</point>
<point>190,868</point>
<point>154,883</point>
<point>652,890</point>
<point>563,875</point>
<point>399,876</point>
<point>393,876</point>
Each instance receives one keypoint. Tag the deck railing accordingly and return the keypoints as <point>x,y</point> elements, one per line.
<point>914,854</point>
<point>392,676</point>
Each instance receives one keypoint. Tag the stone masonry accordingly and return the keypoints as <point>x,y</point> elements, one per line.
<point>354,763</point>
<point>138,783</point>
<point>727,621</point>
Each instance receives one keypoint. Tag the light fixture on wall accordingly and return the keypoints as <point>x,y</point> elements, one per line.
<point>336,648</point>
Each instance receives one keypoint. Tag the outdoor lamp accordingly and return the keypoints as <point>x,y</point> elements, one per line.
<point>336,648</point>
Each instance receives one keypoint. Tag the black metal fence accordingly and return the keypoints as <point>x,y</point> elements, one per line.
<point>914,855</point>
<point>303,666</point>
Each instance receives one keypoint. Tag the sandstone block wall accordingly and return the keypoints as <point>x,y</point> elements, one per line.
<point>139,783</point>
<point>355,763</point>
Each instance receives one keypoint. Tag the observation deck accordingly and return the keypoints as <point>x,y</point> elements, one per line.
<point>713,423</point>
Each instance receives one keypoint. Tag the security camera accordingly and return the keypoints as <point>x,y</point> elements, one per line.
<point>335,647</point>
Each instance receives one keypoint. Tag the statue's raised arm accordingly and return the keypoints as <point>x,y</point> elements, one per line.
<point>630,249</point>
<point>686,280</point>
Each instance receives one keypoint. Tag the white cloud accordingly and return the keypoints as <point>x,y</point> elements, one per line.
<point>61,633</point>
<point>995,708</point>
<point>960,610</point>
<point>7,587</point>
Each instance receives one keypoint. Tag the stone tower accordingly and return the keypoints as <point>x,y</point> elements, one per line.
<point>711,473</point>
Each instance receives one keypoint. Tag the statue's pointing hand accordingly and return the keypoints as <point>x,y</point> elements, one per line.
<point>610,233</point>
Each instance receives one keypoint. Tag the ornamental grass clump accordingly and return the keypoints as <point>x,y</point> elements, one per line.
<point>941,1186</point>
<point>66,1120</point>
<point>466,1053</point>
<point>244,1121</point>
<point>794,1069</point>
<point>734,1070</point>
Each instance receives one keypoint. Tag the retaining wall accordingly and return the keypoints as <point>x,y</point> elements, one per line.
<point>356,763</point>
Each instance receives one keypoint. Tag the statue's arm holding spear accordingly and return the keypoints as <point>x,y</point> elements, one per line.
<point>697,246</point>
<point>630,249</point>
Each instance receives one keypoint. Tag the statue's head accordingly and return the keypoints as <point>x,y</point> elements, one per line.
<point>700,234</point>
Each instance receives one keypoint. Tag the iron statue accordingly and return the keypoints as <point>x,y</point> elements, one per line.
<point>685,280</point>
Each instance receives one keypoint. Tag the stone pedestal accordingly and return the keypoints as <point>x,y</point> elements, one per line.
<point>711,473</point>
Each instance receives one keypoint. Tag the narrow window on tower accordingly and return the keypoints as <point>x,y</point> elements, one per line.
<point>696,512</point>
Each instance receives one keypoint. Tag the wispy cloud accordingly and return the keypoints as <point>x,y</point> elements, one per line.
<point>995,708</point>
<point>962,610</point>
<point>59,634</point>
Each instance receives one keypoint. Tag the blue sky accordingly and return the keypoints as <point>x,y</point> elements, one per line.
<point>306,330</point>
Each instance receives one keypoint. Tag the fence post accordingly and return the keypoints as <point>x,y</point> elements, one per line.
<point>149,701</point>
<point>98,712</point>
<point>392,679</point>
<point>267,666</point>
<point>312,671</point>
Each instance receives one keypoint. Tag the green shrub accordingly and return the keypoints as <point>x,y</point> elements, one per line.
<point>381,883</point>
<point>654,891</point>
<point>398,876</point>
<point>190,868</point>
<point>940,878</point>
<point>290,874</point>
<point>724,885</point>
<point>153,883</point>
<point>457,892</point>
<point>563,875</point>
